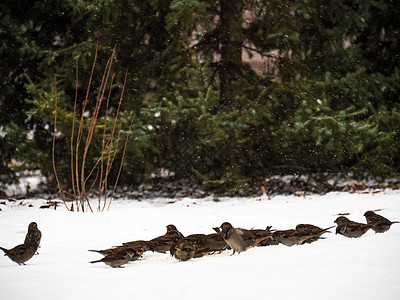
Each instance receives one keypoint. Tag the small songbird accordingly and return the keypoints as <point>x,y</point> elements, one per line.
<point>108,251</point>
<point>201,242</point>
<point>184,250</point>
<point>264,235</point>
<point>289,237</point>
<point>118,249</point>
<point>196,243</point>
<point>118,258</point>
<point>314,232</point>
<point>349,228</point>
<point>139,246</point>
<point>311,229</point>
<point>269,241</point>
<point>379,223</point>
<point>304,233</point>
<point>34,235</point>
<point>233,237</point>
<point>21,253</point>
<point>216,243</point>
<point>163,243</point>
<point>241,239</point>
<point>172,229</point>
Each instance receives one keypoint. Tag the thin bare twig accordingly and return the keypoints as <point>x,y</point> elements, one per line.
<point>80,132</point>
<point>104,144</point>
<point>122,161</point>
<point>93,122</point>
<point>88,128</point>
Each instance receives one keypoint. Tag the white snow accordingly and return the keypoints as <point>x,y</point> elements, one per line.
<point>28,182</point>
<point>363,268</point>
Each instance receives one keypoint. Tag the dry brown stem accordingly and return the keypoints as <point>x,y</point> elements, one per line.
<point>85,129</point>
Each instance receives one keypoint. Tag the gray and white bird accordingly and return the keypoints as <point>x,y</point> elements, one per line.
<point>240,239</point>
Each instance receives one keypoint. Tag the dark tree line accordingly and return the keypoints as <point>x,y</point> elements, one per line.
<point>227,92</point>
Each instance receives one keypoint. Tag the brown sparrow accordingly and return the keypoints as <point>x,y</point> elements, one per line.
<point>313,231</point>
<point>380,223</point>
<point>184,250</point>
<point>216,243</point>
<point>139,246</point>
<point>304,233</point>
<point>172,229</point>
<point>197,242</point>
<point>34,235</point>
<point>349,228</point>
<point>163,243</point>
<point>21,253</point>
<point>118,258</point>
<point>269,241</point>
<point>289,237</point>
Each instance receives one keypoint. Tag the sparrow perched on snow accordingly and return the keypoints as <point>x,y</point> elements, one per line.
<point>118,258</point>
<point>34,235</point>
<point>311,229</point>
<point>216,243</point>
<point>380,223</point>
<point>172,229</point>
<point>109,251</point>
<point>262,233</point>
<point>269,241</point>
<point>194,245</point>
<point>21,253</point>
<point>314,232</point>
<point>242,239</point>
<point>139,246</point>
<point>289,237</point>
<point>163,243</point>
<point>184,250</point>
<point>349,228</point>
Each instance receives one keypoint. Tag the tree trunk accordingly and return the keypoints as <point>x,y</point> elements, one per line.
<point>231,40</point>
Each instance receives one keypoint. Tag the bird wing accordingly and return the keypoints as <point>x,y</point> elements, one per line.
<point>244,233</point>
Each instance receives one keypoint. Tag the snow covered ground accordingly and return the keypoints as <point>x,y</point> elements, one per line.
<point>363,268</point>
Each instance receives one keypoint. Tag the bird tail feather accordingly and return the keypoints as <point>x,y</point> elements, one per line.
<point>326,229</point>
<point>95,261</point>
<point>94,251</point>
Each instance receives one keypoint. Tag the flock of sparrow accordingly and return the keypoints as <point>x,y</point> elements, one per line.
<point>197,245</point>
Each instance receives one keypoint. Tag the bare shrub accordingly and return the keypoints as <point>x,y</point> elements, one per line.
<point>86,178</point>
